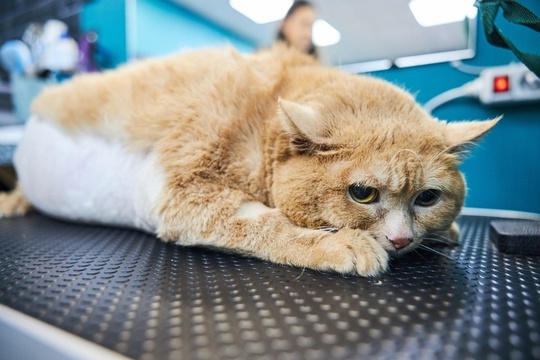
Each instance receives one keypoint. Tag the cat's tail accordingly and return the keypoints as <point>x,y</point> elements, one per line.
<point>14,203</point>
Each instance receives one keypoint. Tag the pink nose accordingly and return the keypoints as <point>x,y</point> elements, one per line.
<point>400,242</point>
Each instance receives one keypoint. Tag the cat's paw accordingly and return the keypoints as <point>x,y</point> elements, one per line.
<point>348,251</point>
<point>13,204</point>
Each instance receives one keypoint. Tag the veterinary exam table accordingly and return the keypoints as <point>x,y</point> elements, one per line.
<point>78,291</point>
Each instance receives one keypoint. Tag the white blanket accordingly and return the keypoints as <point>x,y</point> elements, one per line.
<point>87,178</point>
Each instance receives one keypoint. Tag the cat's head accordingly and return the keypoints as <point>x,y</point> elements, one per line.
<point>362,154</point>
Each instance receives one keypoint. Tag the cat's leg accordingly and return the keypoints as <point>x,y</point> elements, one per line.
<point>14,203</point>
<point>209,214</point>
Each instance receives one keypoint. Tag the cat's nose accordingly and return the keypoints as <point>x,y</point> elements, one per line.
<point>400,242</point>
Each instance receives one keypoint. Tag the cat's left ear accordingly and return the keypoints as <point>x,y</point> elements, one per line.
<point>460,136</point>
<point>305,125</point>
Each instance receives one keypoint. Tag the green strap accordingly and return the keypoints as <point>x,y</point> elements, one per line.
<point>517,14</point>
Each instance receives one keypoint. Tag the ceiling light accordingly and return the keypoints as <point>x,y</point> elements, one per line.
<point>262,11</point>
<point>324,34</point>
<point>438,12</point>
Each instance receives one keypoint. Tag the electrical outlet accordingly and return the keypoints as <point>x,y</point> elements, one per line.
<point>512,83</point>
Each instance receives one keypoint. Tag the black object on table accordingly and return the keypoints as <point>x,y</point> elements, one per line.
<point>516,236</point>
<point>129,292</point>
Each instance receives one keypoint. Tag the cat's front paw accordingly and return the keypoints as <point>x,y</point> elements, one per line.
<point>348,251</point>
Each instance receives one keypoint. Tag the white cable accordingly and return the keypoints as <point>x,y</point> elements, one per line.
<point>472,88</point>
<point>466,68</point>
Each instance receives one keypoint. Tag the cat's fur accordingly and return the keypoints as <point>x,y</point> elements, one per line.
<point>254,153</point>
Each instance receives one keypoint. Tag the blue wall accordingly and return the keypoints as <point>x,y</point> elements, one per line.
<point>107,18</point>
<point>163,27</point>
<point>504,171</point>
<point>153,28</point>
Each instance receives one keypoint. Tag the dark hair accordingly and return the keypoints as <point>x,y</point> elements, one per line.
<point>295,6</point>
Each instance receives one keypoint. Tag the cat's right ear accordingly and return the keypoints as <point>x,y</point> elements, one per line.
<point>305,126</point>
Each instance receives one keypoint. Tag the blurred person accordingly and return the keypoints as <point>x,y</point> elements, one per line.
<point>296,28</point>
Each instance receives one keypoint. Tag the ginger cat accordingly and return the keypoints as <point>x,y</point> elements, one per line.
<point>271,155</point>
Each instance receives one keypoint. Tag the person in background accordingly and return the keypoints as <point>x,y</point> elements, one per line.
<point>296,28</point>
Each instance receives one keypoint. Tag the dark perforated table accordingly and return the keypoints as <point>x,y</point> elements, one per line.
<point>129,292</point>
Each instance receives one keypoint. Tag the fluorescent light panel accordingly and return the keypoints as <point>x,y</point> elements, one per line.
<point>262,11</point>
<point>438,12</point>
<point>324,34</point>
<point>265,11</point>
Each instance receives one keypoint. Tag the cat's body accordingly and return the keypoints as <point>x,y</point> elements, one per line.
<point>270,154</point>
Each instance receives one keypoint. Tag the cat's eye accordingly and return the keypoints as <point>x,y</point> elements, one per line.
<point>428,197</point>
<point>363,194</point>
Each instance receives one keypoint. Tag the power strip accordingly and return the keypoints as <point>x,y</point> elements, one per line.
<point>512,83</point>
<point>509,84</point>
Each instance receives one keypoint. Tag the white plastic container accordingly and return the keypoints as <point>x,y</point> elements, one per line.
<point>61,55</point>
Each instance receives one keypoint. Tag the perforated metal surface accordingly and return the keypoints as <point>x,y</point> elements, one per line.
<point>136,295</point>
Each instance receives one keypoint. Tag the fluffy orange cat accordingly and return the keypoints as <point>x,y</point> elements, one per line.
<point>271,155</point>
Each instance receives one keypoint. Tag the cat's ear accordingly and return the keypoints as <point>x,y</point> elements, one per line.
<point>305,125</point>
<point>460,136</point>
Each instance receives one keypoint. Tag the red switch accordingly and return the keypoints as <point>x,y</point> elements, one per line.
<point>501,83</point>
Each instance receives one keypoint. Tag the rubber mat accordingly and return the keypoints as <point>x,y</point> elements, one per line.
<point>130,292</point>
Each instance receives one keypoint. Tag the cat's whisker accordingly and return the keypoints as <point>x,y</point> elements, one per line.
<point>320,232</point>
<point>302,273</point>
<point>445,240</point>
<point>412,152</point>
<point>440,236</point>
<point>401,150</point>
<point>456,243</point>
<point>329,229</point>
<point>427,248</point>
<point>418,158</point>
<point>460,153</point>
<point>442,240</point>
<point>419,253</point>
<point>436,156</point>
